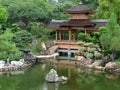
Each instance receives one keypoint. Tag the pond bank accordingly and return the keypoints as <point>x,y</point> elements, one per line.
<point>8,68</point>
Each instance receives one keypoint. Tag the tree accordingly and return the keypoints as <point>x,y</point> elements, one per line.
<point>27,10</point>
<point>3,14</point>
<point>22,38</point>
<point>110,40</point>
<point>58,10</point>
<point>105,7</point>
<point>8,48</point>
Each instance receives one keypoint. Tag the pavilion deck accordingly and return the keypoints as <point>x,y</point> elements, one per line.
<point>66,44</point>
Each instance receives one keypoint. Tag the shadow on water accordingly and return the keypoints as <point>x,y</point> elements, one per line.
<point>79,79</point>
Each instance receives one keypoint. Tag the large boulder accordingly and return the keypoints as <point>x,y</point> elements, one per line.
<point>79,58</point>
<point>111,66</point>
<point>52,76</point>
<point>52,49</point>
<point>87,61</point>
<point>83,61</point>
<point>2,62</point>
<point>96,63</point>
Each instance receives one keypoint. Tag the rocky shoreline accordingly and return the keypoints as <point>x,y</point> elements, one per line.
<point>8,68</point>
<point>96,65</point>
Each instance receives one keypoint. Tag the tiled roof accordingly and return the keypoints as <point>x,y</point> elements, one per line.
<point>80,8</point>
<point>64,24</point>
<point>99,23</point>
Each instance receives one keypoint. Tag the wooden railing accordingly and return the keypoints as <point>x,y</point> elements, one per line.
<point>67,44</point>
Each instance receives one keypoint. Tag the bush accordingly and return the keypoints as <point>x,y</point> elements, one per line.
<point>97,54</point>
<point>88,55</point>
<point>92,50</point>
<point>22,38</point>
<point>88,44</point>
<point>81,49</point>
<point>80,42</point>
<point>8,48</point>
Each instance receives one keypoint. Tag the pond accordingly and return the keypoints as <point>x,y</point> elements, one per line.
<point>79,79</point>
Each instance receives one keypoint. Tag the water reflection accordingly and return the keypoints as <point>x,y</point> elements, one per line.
<point>79,79</point>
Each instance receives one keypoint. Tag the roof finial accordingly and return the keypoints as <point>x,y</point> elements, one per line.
<point>80,2</point>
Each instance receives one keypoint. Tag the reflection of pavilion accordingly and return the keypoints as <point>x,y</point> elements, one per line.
<point>79,20</point>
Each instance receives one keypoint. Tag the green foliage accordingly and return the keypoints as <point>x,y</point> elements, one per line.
<point>14,27</point>
<point>82,49</point>
<point>92,50</point>
<point>8,48</point>
<point>106,7</point>
<point>88,55</point>
<point>83,36</point>
<point>27,10</point>
<point>88,44</point>
<point>97,54</point>
<point>38,30</point>
<point>39,33</point>
<point>80,42</point>
<point>3,14</point>
<point>22,38</point>
<point>111,39</point>
<point>58,10</point>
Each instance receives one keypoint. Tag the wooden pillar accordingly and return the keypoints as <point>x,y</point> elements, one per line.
<point>60,36</point>
<point>56,35</point>
<point>70,35</point>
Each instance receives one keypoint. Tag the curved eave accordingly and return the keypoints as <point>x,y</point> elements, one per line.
<point>80,12</point>
<point>77,25</point>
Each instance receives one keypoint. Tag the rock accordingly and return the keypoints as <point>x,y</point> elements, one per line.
<point>79,58</point>
<point>43,48</point>
<point>52,76</point>
<point>99,68</point>
<point>52,49</point>
<point>96,63</point>
<point>87,61</point>
<point>111,66</point>
<point>83,62</point>
<point>2,65</point>
<point>63,78</point>
<point>2,62</point>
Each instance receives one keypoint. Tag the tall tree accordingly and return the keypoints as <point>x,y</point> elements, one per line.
<point>106,7</point>
<point>8,48</point>
<point>110,40</point>
<point>3,14</point>
<point>27,10</point>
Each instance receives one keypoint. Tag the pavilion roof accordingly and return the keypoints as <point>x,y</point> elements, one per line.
<point>55,24</point>
<point>65,24</point>
<point>99,23</point>
<point>80,8</point>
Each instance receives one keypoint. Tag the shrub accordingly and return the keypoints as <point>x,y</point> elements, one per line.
<point>81,49</point>
<point>88,55</point>
<point>88,44</point>
<point>92,50</point>
<point>80,42</point>
<point>97,54</point>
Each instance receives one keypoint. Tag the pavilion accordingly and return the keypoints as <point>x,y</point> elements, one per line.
<point>79,19</point>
